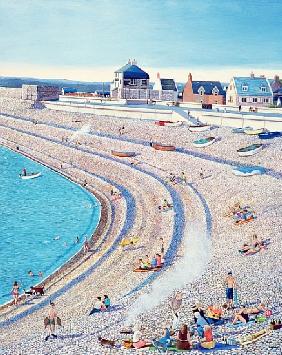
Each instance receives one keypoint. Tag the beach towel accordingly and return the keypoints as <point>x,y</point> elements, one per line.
<point>218,347</point>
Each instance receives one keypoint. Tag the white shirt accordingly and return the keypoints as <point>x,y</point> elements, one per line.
<point>137,335</point>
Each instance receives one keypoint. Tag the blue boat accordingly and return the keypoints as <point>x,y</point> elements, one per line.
<point>269,135</point>
<point>248,170</point>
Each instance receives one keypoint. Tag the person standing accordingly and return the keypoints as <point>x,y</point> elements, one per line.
<point>51,321</point>
<point>16,292</point>
<point>230,288</point>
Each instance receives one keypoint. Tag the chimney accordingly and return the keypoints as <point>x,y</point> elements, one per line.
<point>190,77</point>
<point>276,78</point>
<point>158,75</point>
<point>252,75</point>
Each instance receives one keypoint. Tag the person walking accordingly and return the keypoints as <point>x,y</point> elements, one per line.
<point>16,292</point>
<point>51,320</point>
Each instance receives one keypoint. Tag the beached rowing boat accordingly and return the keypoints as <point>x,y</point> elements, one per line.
<point>252,132</point>
<point>169,123</point>
<point>30,176</point>
<point>249,150</point>
<point>248,170</point>
<point>269,135</point>
<point>204,142</point>
<point>123,154</point>
<point>199,128</point>
<point>163,147</point>
<point>241,130</point>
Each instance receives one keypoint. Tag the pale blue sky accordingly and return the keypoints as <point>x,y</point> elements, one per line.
<point>160,34</point>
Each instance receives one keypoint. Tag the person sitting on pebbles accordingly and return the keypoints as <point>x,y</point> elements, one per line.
<point>98,306</point>
<point>138,339</point>
<point>208,342</point>
<point>142,265</point>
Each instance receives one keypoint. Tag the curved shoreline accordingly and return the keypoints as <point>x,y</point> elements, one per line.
<point>77,259</point>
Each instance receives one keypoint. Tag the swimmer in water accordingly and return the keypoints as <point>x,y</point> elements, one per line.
<point>30,273</point>
<point>56,238</point>
<point>40,273</point>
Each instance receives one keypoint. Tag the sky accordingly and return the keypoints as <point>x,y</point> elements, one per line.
<point>89,39</point>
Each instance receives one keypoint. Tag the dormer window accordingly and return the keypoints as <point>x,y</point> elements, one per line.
<point>245,87</point>
<point>263,89</point>
<point>201,91</point>
<point>215,91</point>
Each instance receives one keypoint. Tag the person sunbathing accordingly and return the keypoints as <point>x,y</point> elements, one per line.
<point>166,204</point>
<point>138,340</point>
<point>243,314</point>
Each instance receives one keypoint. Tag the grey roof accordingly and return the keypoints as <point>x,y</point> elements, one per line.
<point>132,71</point>
<point>168,84</point>
<point>208,87</point>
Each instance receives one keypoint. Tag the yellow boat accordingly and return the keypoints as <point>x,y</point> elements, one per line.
<point>252,132</point>
<point>129,241</point>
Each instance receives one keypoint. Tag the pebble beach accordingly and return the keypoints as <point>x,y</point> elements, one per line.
<point>201,240</point>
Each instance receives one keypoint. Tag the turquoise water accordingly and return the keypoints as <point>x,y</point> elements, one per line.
<point>40,220</point>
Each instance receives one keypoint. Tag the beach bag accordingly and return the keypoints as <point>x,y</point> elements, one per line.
<point>128,344</point>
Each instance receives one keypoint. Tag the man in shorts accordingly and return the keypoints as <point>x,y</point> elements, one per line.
<point>230,287</point>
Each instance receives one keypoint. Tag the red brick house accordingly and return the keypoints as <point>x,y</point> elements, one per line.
<point>206,92</point>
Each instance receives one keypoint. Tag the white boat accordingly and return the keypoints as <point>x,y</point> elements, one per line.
<point>253,132</point>
<point>30,176</point>
<point>249,150</point>
<point>199,128</point>
<point>248,170</point>
<point>204,142</point>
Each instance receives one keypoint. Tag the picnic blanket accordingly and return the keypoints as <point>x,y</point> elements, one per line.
<point>218,346</point>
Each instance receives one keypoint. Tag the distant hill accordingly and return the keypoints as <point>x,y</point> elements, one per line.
<point>82,86</point>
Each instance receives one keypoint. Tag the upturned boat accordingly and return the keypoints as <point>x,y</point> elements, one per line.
<point>123,154</point>
<point>249,150</point>
<point>248,170</point>
<point>241,130</point>
<point>269,135</point>
<point>163,147</point>
<point>199,128</point>
<point>204,142</point>
<point>30,176</point>
<point>252,132</point>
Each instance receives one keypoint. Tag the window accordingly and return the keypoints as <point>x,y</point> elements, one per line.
<point>263,89</point>
<point>244,99</point>
<point>265,100</point>
<point>144,82</point>
<point>255,99</point>
<point>133,81</point>
<point>245,87</point>
<point>201,91</point>
<point>215,91</point>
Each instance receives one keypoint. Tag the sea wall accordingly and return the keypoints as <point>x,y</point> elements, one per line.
<point>117,111</point>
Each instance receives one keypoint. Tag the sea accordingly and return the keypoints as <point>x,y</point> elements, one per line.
<point>43,222</point>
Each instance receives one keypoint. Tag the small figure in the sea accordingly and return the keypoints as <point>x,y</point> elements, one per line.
<point>57,237</point>
<point>15,292</point>
<point>40,274</point>
<point>65,244</point>
<point>77,240</point>
<point>30,273</point>
<point>24,172</point>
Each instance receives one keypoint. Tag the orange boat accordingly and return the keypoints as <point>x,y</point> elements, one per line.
<point>123,154</point>
<point>164,147</point>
